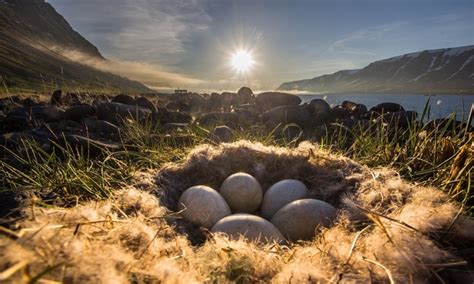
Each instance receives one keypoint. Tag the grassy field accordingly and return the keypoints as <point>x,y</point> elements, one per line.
<point>441,158</point>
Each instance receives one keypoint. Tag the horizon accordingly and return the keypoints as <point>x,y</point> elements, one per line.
<point>190,45</point>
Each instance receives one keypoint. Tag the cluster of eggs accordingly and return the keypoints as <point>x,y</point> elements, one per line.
<point>284,211</point>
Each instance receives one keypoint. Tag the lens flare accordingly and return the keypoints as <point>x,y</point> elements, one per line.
<point>242,61</point>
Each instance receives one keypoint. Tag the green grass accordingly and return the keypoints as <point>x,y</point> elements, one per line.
<point>437,158</point>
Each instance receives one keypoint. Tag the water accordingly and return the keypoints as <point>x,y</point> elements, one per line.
<point>441,105</point>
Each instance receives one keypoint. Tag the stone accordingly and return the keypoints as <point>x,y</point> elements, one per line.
<point>242,192</point>
<point>320,110</point>
<point>213,119</point>
<point>123,99</point>
<point>299,219</point>
<point>144,103</point>
<point>92,148</point>
<point>78,112</point>
<point>387,107</point>
<point>269,100</point>
<point>280,194</point>
<point>178,106</point>
<point>253,228</point>
<point>222,133</point>
<point>284,115</point>
<point>101,128</point>
<point>115,112</point>
<point>203,206</point>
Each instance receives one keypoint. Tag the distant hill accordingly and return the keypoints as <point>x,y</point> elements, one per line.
<point>448,70</point>
<point>31,31</point>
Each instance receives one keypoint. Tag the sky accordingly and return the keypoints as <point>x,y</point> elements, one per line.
<point>192,42</point>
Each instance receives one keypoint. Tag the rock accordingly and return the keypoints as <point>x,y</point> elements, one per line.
<point>284,115</point>
<point>242,192</point>
<point>78,112</point>
<point>164,116</point>
<point>175,127</point>
<point>230,119</point>
<point>320,110</point>
<point>123,99</point>
<point>387,107</point>
<point>299,219</point>
<point>57,97</point>
<point>178,106</point>
<point>101,128</point>
<point>27,117</point>
<point>340,112</point>
<point>245,95</point>
<point>269,100</point>
<point>222,133</point>
<point>115,112</point>
<point>445,124</point>
<point>401,119</point>
<point>252,227</point>
<point>144,103</point>
<point>203,205</point>
<point>280,194</point>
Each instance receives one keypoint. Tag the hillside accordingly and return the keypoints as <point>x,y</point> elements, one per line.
<point>31,35</point>
<point>448,70</point>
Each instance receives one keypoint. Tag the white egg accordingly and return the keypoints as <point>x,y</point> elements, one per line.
<point>299,219</point>
<point>280,194</point>
<point>203,205</point>
<point>253,227</point>
<point>242,192</point>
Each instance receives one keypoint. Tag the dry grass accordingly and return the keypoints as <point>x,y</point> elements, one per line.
<point>388,230</point>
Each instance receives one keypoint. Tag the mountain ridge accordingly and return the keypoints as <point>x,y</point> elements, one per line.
<point>445,70</point>
<point>30,33</point>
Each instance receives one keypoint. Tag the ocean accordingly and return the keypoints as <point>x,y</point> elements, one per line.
<point>442,105</point>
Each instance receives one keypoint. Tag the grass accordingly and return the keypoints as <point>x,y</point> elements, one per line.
<point>437,157</point>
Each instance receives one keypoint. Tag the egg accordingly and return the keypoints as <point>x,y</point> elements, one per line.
<point>242,192</point>
<point>299,219</point>
<point>252,227</point>
<point>280,194</point>
<point>203,205</point>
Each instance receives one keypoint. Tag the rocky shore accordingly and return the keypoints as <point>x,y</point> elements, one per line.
<point>95,122</point>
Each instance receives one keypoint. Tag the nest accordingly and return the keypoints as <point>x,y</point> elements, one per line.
<point>387,230</point>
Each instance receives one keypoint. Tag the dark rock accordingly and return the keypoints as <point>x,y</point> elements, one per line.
<point>164,116</point>
<point>401,119</point>
<point>445,124</point>
<point>178,106</point>
<point>28,117</point>
<point>245,95</point>
<point>387,107</point>
<point>101,128</point>
<point>144,103</point>
<point>320,110</point>
<point>339,112</point>
<point>123,99</point>
<point>78,112</point>
<point>57,97</point>
<point>220,118</point>
<point>115,112</point>
<point>222,133</point>
<point>269,100</point>
<point>284,115</point>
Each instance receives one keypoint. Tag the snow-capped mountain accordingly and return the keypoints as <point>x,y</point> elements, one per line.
<point>447,70</point>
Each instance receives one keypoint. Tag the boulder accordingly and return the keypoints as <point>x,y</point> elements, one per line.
<point>252,227</point>
<point>245,94</point>
<point>284,115</point>
<point>242,192</point>
<point>101,128</point>
<point>230,119</point>
<point>203,206</point>
<point>27,117</point>
<point>78,112</point>
<point>387,107</point>
<point>280,194</point>
<point>144,103</point>
<point>320,110</point>
<point>222,133</point>
<point>92,148</point>
<point>115,112</point>
<point>123,99</point>
<point>178,106</point>
<point>269,100</point>
<point>164,116</point>
<point>299,219</point>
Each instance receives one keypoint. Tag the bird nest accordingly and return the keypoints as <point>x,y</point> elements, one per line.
<point>387,229</point>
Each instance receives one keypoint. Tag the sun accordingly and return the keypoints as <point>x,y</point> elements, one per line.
<point>242,61</point>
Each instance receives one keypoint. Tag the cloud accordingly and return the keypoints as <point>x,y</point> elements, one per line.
<point>155,31</point>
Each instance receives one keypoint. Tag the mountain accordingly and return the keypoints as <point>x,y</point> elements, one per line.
<point>33,37</point>
<point>447,70</point>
